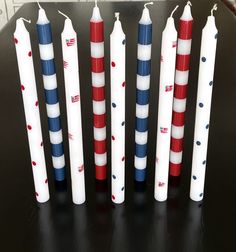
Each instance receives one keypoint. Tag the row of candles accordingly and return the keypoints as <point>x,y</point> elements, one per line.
<point>174,71</point>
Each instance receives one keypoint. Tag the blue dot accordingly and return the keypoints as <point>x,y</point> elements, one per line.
<point>216,36</point>
<point>194,177</point>
<point>204,162</point>
<point>113,176</point>
<point>113,105</point>
<point>201,194</point>
<point>123,42</point>
<point>122,189</point>
<point>207,126</point>
<point>203,59</point>
<point>123,123</point>
<point>211,83</point>
<point>200,104</point>
<point>198,143</point>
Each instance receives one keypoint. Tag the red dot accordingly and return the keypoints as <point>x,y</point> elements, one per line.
<point>113,64</point>
<point>15,40</point>
<point>36,194</point>
<point>33,163</point>
<point>22,87</point>
<point>123,159</point>
<point>46,181</point>
<point>29,53</point>
<point>123,84</point>
<point>29,127</point>
<point>113,197</point>
<point>36,103</point>
<point>113,138</point>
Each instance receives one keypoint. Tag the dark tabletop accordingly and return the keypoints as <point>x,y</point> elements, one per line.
<point>141,223</point>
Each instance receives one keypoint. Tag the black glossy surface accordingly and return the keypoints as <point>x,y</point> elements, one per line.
<point>141,224</point>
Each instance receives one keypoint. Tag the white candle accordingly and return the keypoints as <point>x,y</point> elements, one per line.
<point>31,108</point>
<point>166,87</point>
<point>117,54</point>
<point>203,107</point>
<point>73,106</point>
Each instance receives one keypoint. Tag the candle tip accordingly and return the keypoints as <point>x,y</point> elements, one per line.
<point>189,3</point>
<point>96,3</point>
<point>150,3</point>
<point>40,7</point>
<point>117,15</point>
<point>214,8</point>
<point>63,14</point>
<point>26,20</point>
<point>176,7</point>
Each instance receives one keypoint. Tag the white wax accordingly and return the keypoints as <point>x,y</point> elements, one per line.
<point>96,16</point>
<point>42,17</point>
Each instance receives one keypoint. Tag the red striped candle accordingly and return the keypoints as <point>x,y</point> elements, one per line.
<point>98,84</point>
<point>180,90</point>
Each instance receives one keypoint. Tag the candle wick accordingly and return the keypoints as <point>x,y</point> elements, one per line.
<point>189,3</point>
<point>63,14</point>
<point>96,3</point>
<point>26,20</point>
<point>117,15</point>
<point>150,3</point>
<point>40,7</point>
<point>176,7</point>
<point>213,9</point>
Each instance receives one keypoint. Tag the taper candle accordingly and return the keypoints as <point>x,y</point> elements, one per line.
<point>51,95</point>
<point>203,106</point>
<point>117,65</point>
<point>31,109</point>
<point>166,88</point>
<point>142,93</point>
<point>73,108</point>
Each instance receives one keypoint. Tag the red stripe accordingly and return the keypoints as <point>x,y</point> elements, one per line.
<point>100,146</point>
<point>101,172</point>
<point>176,144</point>
<point>180,91</point>
<point>185,29</point>
<point>98,93</point>
<point>182,62</point>
<point>96,32</point>
<point>99,121</point>
<point>175,169</point>
<point>178,118</point>
<point>97,65</point>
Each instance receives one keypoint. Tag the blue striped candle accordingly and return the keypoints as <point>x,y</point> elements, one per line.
<point>142,93</point>
<point>51,96</point>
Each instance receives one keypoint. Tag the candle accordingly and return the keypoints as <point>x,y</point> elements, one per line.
<point>142,93</point>
<point>203,106</point>
<point>98,84</point>
<point>180,90</point>
<point>167,73</point>
<point>73,106</point>
<point>51,95</point>
<point>31,108</point>
<point>117,54</point>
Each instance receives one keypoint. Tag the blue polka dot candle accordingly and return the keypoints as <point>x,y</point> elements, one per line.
<point>51,96</point>
<point>166,88</point>
<point>142,93</point>
<point>203,107</point>
<point>117,66</point>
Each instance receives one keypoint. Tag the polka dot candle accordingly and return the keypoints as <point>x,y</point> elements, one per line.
<point>32,117</point>
<point>117,54</point>
<point>203,107</point>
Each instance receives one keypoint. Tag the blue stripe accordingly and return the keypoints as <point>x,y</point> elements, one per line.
<point>51,96</point>
<point>48,67</point>
<point>141,124</point>
<point>54,124</point>
<point>57,150</point>
<point>142,96</point>
<point>141,150</point>
<point>140,175</point>
<point>144,34</point>
<point>59,174</point>
<point>143,67</point>
<point>44,34</point>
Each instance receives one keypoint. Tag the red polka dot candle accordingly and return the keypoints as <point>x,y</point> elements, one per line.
<point>32,117</point>
<point>117,66</point>
<point>166,88</point>
<point>73,108</point>
<point>180,90</point>
<point>203,107</point>
<point>98,85</point>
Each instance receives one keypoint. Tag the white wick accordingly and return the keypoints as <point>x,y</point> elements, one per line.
<point>213,9</point>
<point>189,3</point>
<point>63,14</point>
<point>40,7</point>
<point>26,20</point>
<point>176,7</point>
<point>96,3</point>
<point>150,3</point>
<point>117,15</point>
